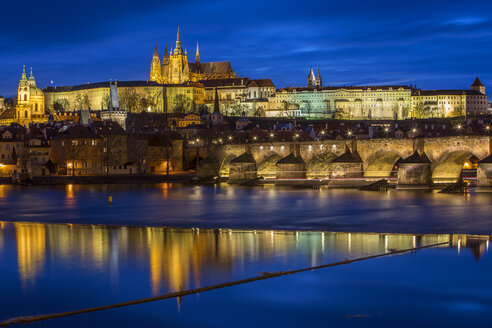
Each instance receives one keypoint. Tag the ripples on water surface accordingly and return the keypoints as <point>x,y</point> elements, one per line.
<point>48,268</point>
<point>251,208</point>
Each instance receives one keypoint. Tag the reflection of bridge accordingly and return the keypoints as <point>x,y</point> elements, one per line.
<point>440,159</point>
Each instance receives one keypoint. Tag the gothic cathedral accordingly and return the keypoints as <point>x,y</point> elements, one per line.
<point>175,68</point>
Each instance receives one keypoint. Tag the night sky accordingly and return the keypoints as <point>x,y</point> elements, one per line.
<point>434,44</point>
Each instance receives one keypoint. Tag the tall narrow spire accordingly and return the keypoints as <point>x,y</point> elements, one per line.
<point>178,50</point>
<point>197,56</point>
<point>216,102</point>
<point>166,54</point>
<point>155,50</point>
<point>311,78</point>
<point>23,73</point>
<point>319,80</point>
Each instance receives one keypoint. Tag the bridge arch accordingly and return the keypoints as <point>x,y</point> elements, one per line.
<point>268,166</point>
<point>224,165</point>
<point>318,167</point>
<point>381,164</point>
<point>450,165</point>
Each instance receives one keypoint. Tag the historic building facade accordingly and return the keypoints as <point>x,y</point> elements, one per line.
<point>30,101</point>
<point>134,96</point>
<point>375,102</point>
<point>450,103</point>
<point>176,69</point>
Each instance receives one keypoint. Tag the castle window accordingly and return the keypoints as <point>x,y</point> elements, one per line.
<point>25,113</point>
<point>25,97</point>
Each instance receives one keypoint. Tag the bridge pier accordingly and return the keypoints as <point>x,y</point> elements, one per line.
<point>484,174</point>
<point>242,168</point>
<point>347,165</point>
<point>291,167</point>
<point>414,172</point>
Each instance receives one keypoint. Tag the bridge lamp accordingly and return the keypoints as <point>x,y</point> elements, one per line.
<point>322,132</point>
<point>297,136</point>
<point>254,137</point>
<point>487,128</point>
<point>197,140</point>
<point>220,140</point>
<point>349,133</point>
<point>414,130</point>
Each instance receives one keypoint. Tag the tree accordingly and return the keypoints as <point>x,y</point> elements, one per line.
<point>74,153</point>
<point>82,101</point>
<point>130,98</point>
<point>258,111</point>
<point>181,104</point>
<point>287,106</point>
<point>61,105</point>
<point>307,107</point>
<point>236,109</point>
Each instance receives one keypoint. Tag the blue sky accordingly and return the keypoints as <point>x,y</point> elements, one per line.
<point>434,44</point>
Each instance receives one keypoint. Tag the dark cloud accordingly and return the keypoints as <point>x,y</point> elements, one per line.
<point>434,44</point>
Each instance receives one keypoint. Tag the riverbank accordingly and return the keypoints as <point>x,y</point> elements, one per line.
<point>184,177</point>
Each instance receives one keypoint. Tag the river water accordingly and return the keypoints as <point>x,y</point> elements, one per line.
<point>66,248</point>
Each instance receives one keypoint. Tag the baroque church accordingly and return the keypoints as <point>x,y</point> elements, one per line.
<point>175,68</point>
<point>30,101</point>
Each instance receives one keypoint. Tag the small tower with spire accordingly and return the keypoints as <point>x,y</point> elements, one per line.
<point>32,82</point>
<point>319,80</point>
<point>197,56</point>
<point>311,79</point>
<point>216,117</point>
<point>155,67</point>
<point>165,59</point>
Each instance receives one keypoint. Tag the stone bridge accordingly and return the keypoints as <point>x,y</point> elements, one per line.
<point>376,157</point>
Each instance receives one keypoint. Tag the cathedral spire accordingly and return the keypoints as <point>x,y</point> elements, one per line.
<point>178,50</point>
<point>165,52</point>
<point>155,50</point>
<point>197,56</point>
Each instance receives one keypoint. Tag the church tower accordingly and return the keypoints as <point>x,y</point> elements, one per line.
<point>478,86</point>
<point>179,69</point>
<point>319,81</point>
<point>311,79</point>
<point>30,100</point>
<point>155,67</point>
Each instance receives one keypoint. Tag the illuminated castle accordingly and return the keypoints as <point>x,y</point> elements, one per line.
<point>175,68</point>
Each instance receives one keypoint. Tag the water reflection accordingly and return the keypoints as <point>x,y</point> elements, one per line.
<point>177,258</point>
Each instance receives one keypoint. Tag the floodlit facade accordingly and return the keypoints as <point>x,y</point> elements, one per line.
<point>176,69</point>
<point>378,102</point>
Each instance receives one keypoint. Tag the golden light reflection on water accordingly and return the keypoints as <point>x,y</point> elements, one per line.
<point>31,251</point>
<point>178,258</point>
